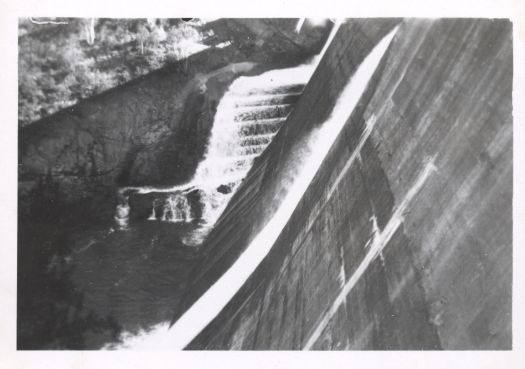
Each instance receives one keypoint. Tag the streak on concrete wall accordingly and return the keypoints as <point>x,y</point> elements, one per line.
<point>375,247</point>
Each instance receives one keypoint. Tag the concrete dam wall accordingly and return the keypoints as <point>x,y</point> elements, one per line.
<point>403,240</point>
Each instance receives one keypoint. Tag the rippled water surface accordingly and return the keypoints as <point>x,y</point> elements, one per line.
<point>83,288</point>
<point>135,276</point>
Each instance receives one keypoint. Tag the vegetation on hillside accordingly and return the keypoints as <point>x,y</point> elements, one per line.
<point>64,60</point>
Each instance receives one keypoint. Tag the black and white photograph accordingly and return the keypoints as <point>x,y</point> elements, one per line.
<point>265,184</point>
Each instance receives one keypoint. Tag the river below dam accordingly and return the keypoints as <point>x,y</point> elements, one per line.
<point>102,282</point>
<point>136,275</point>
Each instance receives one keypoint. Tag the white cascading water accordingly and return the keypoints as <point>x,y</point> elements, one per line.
<point>248,117</point>
<point>122,213</point>
<point>209,305</point>
<point>239,134</point>
<point>175,210</point>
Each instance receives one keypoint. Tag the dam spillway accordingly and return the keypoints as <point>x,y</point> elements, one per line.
<point>249,115</point>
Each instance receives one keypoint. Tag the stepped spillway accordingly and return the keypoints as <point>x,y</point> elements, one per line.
<point>248,116</point>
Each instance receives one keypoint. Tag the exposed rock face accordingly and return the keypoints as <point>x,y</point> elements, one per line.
<point>153,130</point>
<point>404,242</point>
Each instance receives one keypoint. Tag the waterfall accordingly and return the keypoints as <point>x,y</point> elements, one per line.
<point>122,213</point>
<point>248,116</point>
<point>176,209</point>
<point>208,306</point>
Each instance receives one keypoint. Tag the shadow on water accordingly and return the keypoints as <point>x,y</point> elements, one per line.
<point>81,285</point>
<point>51,311</point>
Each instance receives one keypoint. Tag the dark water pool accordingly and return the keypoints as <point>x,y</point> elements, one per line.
<point>81,288</point>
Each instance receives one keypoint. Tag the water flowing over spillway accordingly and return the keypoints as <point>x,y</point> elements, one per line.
<point>248,117</point>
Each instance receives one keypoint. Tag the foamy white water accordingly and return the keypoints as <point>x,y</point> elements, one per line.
<point>236,140</point>
<point>209,305</point>
<point>248,117</point>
